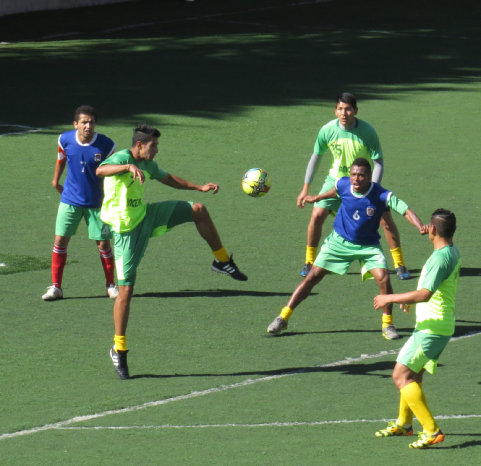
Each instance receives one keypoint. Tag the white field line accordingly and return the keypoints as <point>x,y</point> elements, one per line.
<point>22,129</point>
<point>195,394</point>
<point>262,424</point>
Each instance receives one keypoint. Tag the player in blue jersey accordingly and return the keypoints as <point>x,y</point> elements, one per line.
<point>355,237</point>
<point>346,138</point>
<point>82,149</point>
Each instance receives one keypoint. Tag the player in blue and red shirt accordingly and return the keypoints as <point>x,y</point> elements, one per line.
<point>355,238</point>
<point>82,149</point>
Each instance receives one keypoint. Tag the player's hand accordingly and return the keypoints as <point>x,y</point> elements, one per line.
<point>209,187</point>
<point>406,308</point>
<point>300,200</point>
<point>59,188</point>
<point>308,199</point>
<point>137,173</point>
<point>380,301</point>
<point>424,230</point>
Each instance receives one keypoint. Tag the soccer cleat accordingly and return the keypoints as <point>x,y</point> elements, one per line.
<point>53,293</point>
<point>277,325</point>
<point>229,268</point>
<point>119,358</point>
<point>306,269</point>
<point>393,430</point>
<point>390,333</point>
<point>402,273</point>
<point>426,440</point>
<point>112,291</point>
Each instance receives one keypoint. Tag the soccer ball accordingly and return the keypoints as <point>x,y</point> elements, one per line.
<point>256,182</point>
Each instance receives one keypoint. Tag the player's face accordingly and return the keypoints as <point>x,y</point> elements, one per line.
<point>148,150</point>
<point>85,127</point>
<point>360,179</point>
<point>345,113</point>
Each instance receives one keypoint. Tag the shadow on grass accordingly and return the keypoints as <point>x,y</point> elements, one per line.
<point>371,369</point>
<point>219,293</point>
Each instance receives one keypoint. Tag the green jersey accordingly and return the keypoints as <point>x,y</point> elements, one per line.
<point>123,207</point>
<point>346,145</point>
<point>439,275</point>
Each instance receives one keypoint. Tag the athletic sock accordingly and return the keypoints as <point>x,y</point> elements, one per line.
<point>311,254</point>
<point>415,398</point>
<point>59,259</point>
<point>386,320</point>
<point>286,313</point>
<point>221,255</point>
<point>405,417</point>
<point>397,257</point>
<point>108,264</point>
<point>120,343</point>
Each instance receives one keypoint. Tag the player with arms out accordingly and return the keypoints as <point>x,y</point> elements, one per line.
<point>82,149</point>
<point>435,322</point>
<point>347,138</point>
<point>355,237</point>
<point>133,223</point>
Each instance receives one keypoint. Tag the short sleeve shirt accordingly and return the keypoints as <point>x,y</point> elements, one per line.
<point>123,207</point>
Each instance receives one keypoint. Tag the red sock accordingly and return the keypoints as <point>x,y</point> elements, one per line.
<point>59,259</point>
<point>108,263</point>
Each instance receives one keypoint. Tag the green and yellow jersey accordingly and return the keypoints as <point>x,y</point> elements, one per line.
<point>440,275</point>
<point>346,145</point>
<point>123,207</point>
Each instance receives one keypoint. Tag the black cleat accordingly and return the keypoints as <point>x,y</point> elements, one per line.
<point>229,268</point>
<point>119,358</point>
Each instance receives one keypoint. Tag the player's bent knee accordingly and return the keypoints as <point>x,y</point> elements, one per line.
<point>199,211</point>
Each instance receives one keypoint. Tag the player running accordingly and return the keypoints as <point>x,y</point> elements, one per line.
<point>82,149</point>
<point>435,321</point>
<point>355,237</point>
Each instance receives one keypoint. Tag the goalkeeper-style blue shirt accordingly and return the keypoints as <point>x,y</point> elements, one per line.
<point>82,187</point>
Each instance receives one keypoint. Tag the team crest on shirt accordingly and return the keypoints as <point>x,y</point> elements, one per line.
<point>370,211</point>
<point>98,157</point>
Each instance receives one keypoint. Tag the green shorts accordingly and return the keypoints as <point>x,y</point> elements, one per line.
<point>69,217</point>
<point>329,204</point>
<point>129,248</point>
<point>422,350</point>
<point>337,254</point>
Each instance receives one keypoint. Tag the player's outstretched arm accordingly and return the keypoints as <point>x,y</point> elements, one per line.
<point>410,297</point>
<point>413,219</point>
<point>332,193</point>
<point>177,182</point>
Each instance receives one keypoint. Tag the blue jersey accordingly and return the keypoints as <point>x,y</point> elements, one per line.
<point>359,216</point>
<point>82,187</point>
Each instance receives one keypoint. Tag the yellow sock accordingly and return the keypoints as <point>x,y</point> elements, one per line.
<point>405,417</point>
<point>414,397</point>
<point>221,255</point>
<point>386,320</point>
<point>120,343</point>
<point>286,313</point>
<point>311,254</point>
<point>397,257</point>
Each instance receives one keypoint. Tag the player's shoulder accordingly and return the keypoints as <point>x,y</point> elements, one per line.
<point>330,125</point>
<point>363,125</point>
<point>67,136</point>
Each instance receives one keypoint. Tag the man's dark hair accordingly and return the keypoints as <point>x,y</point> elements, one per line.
<point>347,98</point>
<point>445,222</point>
<point>362,162</point>
<point>144,134</point>
<point>85,110</point>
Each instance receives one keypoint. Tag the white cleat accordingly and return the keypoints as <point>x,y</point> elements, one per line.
<point>277,325</point>
<point>53,293</point>
<point>112,291</point>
